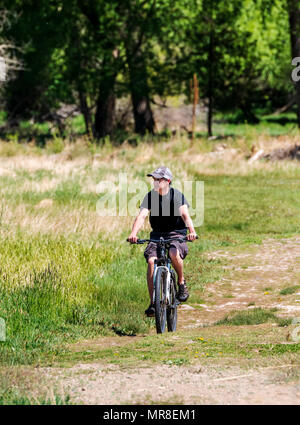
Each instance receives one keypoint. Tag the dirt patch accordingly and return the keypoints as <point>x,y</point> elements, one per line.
<point>97,384</point>
<point>255,276</point>
<point>102,343</point>
<point>292,152</point>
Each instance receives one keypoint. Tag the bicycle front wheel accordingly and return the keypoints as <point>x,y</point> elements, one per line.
<point>160,300</point>
<point>172,308</point>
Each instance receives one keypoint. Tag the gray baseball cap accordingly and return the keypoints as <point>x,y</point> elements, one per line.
<point>161,173</point>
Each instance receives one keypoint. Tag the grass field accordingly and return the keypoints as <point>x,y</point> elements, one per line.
<point>67,273</point>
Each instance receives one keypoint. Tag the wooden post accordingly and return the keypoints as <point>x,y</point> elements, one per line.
<point>191,91</point>
<point>195,102</point>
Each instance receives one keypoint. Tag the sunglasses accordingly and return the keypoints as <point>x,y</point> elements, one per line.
<point>159,180</point>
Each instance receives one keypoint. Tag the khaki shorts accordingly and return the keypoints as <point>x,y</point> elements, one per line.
<point>151,249</point>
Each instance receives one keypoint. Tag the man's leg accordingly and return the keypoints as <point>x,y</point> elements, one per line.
<point>177,263</point>
<point>150,277</point>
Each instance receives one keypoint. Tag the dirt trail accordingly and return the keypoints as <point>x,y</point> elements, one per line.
<point>98,384</point>
<point>255,277</point>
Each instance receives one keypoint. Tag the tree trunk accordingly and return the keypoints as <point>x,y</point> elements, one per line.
<point>195,102</point>
<point>210,84</point>
<point>294,14</point>
<point>143,117</point>
<point>285,107</point>
<point>85,111</point>
<point>105,112</point>
<point>142,112</point>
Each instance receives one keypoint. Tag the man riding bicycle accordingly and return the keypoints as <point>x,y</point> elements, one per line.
<point>169,218</point>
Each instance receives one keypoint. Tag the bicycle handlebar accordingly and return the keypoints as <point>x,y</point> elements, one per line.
<point>141,241</point>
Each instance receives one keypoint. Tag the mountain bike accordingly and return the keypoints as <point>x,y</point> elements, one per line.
<point>164,283</point>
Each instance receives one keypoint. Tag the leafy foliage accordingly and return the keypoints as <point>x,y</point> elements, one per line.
<point>79,52</point>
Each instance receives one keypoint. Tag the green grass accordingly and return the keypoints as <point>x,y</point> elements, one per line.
<point>16,398</point>
<point>253,207</point>
<point>255,316</point>
<point>54,290</point>
<point>52,293</point>
<point>289,290</point>
<point>214,342</point>
<point>55,145</point>
<point>77,124</point>
<point>233,124</point>
<point>58,288</point>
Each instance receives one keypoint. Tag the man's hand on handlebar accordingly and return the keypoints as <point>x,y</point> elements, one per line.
<point>191,236</point>
<point>132,239</point>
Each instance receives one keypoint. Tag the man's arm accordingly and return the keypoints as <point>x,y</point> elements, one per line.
<point>188,222</point>
<point>137,225</point>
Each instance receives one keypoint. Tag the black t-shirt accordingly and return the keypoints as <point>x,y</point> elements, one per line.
<point>164,211</point>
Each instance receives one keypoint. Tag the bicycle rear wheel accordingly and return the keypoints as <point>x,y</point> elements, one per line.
<point>172,308</point>
<point>160,300</point>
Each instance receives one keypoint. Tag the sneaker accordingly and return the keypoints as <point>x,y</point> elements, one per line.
<point>150,312</point>
<point>183,293</point>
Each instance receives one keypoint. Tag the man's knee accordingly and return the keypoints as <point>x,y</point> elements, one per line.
<point>174,253</point>
<point>151,261</point>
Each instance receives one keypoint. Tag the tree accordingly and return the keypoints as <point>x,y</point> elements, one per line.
<point>90,52</point>
<point>102,20</point>
<point>10,64</point>
<point>41,29</point>
<point>224,57</point>
<point>293,8</point>
<point>137,25</point>
<point>119,30</point>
